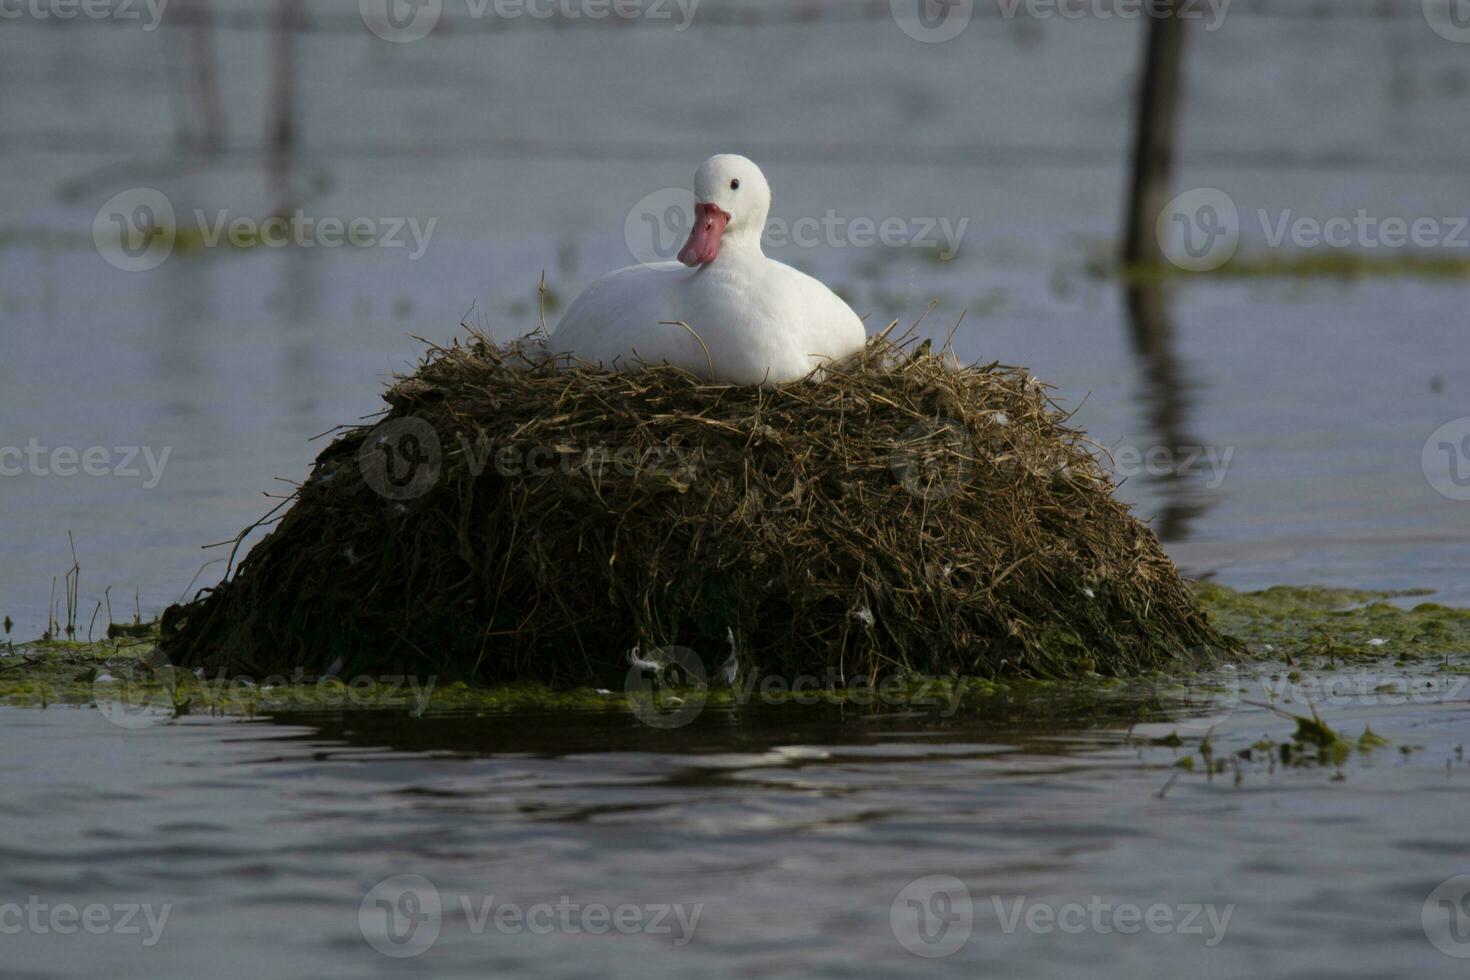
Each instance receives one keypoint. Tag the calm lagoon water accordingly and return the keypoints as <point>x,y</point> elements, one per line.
<point>795,831</point>
<point>791,840</point>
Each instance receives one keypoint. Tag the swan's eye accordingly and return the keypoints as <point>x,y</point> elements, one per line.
<point>735,184</point>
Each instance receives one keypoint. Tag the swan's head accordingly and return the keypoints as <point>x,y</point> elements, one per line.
<point>732,200</point>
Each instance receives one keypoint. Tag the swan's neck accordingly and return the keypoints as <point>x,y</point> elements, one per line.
<point>745,237</point>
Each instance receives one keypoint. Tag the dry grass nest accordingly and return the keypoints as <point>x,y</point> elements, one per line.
<point>515,518</point>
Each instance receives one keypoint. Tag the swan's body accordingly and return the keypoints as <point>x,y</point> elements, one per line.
<point>761,320</point>
<point>757,321</point>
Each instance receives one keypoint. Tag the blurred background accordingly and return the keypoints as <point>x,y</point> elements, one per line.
<point>1274,416</point>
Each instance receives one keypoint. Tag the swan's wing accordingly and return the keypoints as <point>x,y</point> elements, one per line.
<point>626,312</point>
<point>830,330</point>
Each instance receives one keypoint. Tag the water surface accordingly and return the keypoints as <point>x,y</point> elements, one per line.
<point>793,830</point>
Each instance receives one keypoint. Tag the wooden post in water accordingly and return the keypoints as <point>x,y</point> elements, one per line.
<point>1155,128</point>
<point>1147,301</point>
<point>198,21</point>
<point>281,115</point>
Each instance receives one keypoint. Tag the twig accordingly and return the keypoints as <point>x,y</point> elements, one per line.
<point>237,539</point>
<point>680,323</point>
<point>541,303</point>
<point>185,593</point>
<point>73,586</point>
<point>949,340</point>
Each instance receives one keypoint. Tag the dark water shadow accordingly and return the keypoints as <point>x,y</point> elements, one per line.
<point>1051,720</point>
<point>1165,399</point>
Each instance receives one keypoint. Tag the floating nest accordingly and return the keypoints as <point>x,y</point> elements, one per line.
<point>511,517</point>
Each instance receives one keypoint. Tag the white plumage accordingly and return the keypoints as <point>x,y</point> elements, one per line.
<point>757,321</point>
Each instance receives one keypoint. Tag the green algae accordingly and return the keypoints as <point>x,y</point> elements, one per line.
<point>1370,740</point>
<point>1336,264</point>
<point>1303,629</point>
<point>1330,627</point>
<point>129,671</point>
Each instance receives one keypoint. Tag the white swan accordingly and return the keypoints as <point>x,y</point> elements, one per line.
<point>757,321</point>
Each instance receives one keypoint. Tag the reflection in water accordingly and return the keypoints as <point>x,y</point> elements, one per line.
<point>206,130</point>
<point>281,126</point>
<point>1178,481</point>
<point>1054,720</point>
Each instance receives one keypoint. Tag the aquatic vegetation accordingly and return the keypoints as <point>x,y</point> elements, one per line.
<point>128,673</point>
<point>1339,264</point>
<point>1331,628</point>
